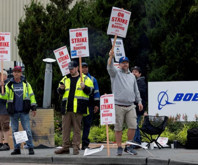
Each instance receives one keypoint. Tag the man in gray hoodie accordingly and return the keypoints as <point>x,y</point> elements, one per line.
<point>126,93</point>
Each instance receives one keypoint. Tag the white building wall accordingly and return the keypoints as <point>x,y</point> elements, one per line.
<point>11,11</point>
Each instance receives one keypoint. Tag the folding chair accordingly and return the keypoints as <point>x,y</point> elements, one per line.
<point>154,125</point>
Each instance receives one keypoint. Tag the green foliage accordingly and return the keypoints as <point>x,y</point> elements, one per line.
<point>172,32</point>
<point>182,135</point>
<point>98,134</point>
<point>58,139</point>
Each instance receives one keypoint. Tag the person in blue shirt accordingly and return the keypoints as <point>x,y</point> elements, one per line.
<point>94,103</point>
<point>20,100</point>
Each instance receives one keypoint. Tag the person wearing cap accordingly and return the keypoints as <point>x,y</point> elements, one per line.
<point>126,93</point>
<point>94,103</point>
<point>143,93</point>
<point>4,117</point>
<point>20,100</point>
<point>75,99</point>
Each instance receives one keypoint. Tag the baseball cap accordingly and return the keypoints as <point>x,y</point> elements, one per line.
<point>17,68</point>
<point>122,59</point>
<point>72,65</point>
<point>136,68</point>
<point>84,64</point>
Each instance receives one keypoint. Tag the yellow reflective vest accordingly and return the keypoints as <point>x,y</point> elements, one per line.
<point>81,99</point>
<point>29,101</point>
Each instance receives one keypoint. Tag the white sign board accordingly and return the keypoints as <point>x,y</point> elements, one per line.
<point>79,44</point>
<point>178,99</point>
<point>118,49</point>
<point>90,151</point>
<point>20,137</point>
<point>107,109</point>
<point>5,46</point>
<point>63,59</point>
<point>119,22</point>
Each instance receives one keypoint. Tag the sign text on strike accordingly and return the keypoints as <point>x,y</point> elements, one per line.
<point>107,106</point>
<point>78,40</point>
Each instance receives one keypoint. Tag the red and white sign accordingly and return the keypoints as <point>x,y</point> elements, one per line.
<point>107,109</point>
<point>63,59</point>
<point>119,22</point>
<point>79,44</point>
<point>5,46</point>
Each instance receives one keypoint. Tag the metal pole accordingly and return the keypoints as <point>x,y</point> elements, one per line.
<point>47,86</point>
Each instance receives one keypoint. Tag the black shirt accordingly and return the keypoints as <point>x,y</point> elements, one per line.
<point>70,102</point>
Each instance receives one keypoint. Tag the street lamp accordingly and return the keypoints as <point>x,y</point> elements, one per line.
<point>48,82</point>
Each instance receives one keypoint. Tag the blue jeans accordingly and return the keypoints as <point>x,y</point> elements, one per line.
<point>25,122</point>
<point>87,121</point>
<point>137,137</point>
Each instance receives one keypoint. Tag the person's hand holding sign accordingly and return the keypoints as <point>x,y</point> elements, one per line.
<point>62,86</point>
<point>82,84</point>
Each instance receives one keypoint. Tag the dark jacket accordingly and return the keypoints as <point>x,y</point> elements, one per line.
<point>143,93</point>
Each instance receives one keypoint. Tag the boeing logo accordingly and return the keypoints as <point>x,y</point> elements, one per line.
<point>163,98</point>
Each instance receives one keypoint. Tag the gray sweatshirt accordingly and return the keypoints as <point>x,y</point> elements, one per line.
<point>124,86</point>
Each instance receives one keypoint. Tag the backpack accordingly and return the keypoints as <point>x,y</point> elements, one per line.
<point>192,139</point>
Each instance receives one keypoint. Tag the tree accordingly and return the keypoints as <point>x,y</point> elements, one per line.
<point>172,32</point>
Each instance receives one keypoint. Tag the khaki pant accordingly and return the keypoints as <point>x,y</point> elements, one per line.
<point>71,120</point>
<point>4,122</point>
<point>127,114</point>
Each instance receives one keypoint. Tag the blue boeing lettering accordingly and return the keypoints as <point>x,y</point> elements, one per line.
<point>186,97</point>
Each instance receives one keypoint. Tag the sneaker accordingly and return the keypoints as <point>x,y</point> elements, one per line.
<point>5,147</point>
<point>62,151</point>
<point>130,150</point>
<point>31,151</point>
<point>119,151</point>
<point>16,152</point>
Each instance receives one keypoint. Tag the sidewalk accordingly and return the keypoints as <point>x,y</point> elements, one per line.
<point>164,156</point>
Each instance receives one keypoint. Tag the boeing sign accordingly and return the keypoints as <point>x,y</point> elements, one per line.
<point>173,98</point>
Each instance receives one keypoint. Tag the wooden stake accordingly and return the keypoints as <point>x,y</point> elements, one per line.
<point>80,66</point>
<point>2,87</point>
<point>112,49</point>
<point>107,133</point>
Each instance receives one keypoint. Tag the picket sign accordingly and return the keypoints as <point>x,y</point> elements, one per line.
<point>107,114</point>
<point>63,59</point>
<point>20,137</point>
<point>118,25</point>
<point>118,49</point>
<point>79,45</point>
<point>4,51</point>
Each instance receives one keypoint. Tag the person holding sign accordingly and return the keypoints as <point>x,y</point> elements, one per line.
<point>75,98</point>
<point>20,100</point>
<point>4,117</point>
<point>126,93</point>
<point>94,103</point>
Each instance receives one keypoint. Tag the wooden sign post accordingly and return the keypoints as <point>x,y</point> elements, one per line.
<point>107,114</point>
